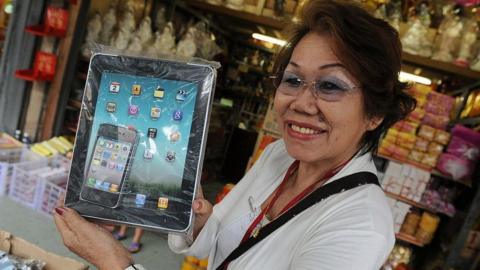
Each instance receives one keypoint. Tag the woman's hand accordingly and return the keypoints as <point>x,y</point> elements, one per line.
<point>202,210</point>
<point>90,241</point>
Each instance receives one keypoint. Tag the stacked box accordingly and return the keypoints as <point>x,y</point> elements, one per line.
<point>9,158</point>
<point>30,178</point>
<point>406,181</point>
<point>420,138</point>
<point>399,211</point>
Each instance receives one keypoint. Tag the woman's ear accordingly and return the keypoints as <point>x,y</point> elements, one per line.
<point>374,122</point>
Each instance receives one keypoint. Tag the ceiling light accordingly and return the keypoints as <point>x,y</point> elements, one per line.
<point>409,77</point>
<point>270,39</point>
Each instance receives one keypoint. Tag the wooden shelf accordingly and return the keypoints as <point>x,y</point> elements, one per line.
<point>439,65</point>
<point>432,171</point>
<point>82,75</point>
<point>75,103</point>
<point>409,239</point>
<point>437,173</point>
<point>246,16</point>
<point>72,129</point>
<point>415,204</point>
<point>407,201</point>
<point>469,121</point>
<point>409,162</point>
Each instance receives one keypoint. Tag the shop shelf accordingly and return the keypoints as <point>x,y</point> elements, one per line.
<point>44,68</point>
<point>409,162</point>
<point>249,17</point>
<point>409,239</point>
<point>82,76</point>
<point>467,182</point>
<point>75,103</point>
<point>439,65</point>
<point>415,204</point>
<point>55,23</point>
<point>432,171</point>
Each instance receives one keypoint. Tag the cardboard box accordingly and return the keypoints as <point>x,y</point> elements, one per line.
<point>9,142</point>
<point>22,248</point>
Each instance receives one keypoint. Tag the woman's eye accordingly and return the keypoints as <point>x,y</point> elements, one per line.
<point>328,86</point>
<point>292,82</point>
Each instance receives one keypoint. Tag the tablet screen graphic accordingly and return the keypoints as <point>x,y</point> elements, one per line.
<point>161,112</point>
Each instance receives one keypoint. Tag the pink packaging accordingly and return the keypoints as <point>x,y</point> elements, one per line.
<point>467,134</point>
<point>456,167</point>
<point>437,121</point>
<point>442,102</point>
<point>463,149</point>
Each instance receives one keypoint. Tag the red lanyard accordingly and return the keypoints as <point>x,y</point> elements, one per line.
<point>291,170</point>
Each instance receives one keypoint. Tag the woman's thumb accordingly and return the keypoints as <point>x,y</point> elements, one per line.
<point>202,207</point>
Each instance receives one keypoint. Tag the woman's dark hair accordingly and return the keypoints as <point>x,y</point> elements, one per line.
<point>368,47</point>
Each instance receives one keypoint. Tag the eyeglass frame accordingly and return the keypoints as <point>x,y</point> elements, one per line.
<point>304,84</point>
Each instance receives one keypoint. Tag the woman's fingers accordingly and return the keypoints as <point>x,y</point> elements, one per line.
<point>63,228</point>
<point>90,241</point>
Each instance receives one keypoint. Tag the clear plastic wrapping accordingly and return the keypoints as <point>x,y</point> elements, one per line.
<point>140,140</point>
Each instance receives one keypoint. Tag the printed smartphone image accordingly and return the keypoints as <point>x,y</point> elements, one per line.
<point>109,165</point>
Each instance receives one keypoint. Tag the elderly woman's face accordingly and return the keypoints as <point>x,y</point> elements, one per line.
<point>324,120</point>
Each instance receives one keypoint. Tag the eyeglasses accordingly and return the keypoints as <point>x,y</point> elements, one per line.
<point>328,88</point>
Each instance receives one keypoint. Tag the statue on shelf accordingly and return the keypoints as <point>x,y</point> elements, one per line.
<point>476,63</point>
<point>215,2</point>
<point>128,21</point>
<point>135,45</point>
<point>415,40</point>
<point>93,31</point>
<point>186,47</point>
<point>120,39</point>
<point>381,12</point>
<point>469,38</point>
<point>449,34</point>
<point>205,41</point>
<point>167,40</point>
<point>109,21</point>
<point>235,4</point>
<point>155,46</point>
<point>160,20</point>
<point>144,31</point>
<point>395,16</point>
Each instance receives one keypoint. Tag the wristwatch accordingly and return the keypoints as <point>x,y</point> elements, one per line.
<point>135,267</point>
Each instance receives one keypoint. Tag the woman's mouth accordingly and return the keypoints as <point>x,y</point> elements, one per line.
<point>303,131</point>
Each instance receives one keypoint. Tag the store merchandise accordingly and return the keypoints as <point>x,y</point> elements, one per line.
<point>15,248</point>
<point>55,146</point>
<point>400,256</point>
<point>410,224</point>
<point>41,183</point>
<point>421,138</point>
<point>137,155</point>
<point>462,154</point>
<point>399,212</point>
<point>405,180</point>
<point>449,35</point>
<point>426,228</point>
<point>467,48</point>
<point>416,39</point>
<point>12,153</point>
<point>472,106</point>
<point>439,198</point>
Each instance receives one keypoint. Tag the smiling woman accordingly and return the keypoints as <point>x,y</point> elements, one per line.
<point>312,200</point>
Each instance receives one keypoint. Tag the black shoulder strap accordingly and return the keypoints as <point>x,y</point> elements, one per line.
<point>325,191</point>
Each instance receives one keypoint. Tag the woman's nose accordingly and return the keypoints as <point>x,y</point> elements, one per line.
<point>305,101</point>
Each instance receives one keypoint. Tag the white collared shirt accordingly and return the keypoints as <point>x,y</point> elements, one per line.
<point>350,230</point>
